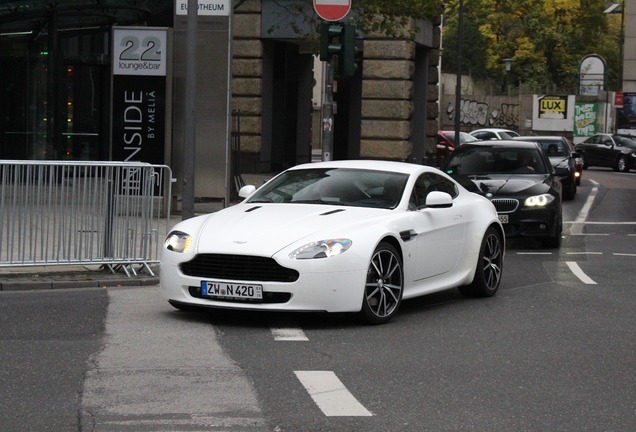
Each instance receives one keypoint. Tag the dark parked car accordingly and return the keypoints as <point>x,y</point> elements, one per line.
<point>607,150</point>
<point>446,142</point>
<point>562,158</point>
<point>520,181</point>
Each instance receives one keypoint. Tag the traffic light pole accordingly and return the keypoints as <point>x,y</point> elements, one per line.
<point>327,113</point>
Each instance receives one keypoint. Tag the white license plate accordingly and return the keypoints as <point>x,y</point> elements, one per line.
<point>503,218</point>
<point>231,290</point>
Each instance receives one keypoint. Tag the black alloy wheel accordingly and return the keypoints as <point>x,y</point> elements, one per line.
<point>489,266</point>
<point>384,285</point>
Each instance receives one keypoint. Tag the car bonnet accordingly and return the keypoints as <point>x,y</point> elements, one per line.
<point>264,229</point>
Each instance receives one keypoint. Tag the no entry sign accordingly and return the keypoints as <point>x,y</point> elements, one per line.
<point>332,10</point>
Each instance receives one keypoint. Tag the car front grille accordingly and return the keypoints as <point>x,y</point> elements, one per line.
<point>505,205</point>
<point>238,267</point>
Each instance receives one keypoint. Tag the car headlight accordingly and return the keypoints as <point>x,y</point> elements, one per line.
<point>538,200</point>
<point>178,241</point>
<point>321,249</point>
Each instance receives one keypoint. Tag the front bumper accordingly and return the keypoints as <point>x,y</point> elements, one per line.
<point>536,222</point>
<point>327,291</point>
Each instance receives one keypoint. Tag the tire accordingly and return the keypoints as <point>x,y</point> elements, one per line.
<point>384,285</point>
<point>621,164</point>
<point>489,266</point>
<point>571,192</point>
<point>584,159</point>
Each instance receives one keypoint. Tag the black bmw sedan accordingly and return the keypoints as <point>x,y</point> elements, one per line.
<point>520,181</point>
<point>607,150</point>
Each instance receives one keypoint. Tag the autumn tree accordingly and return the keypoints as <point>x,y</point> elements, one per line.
<point>545,38</point>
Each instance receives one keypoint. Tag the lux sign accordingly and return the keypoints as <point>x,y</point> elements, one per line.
<point>553,107</point>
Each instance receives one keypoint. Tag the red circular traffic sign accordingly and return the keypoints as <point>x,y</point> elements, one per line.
<point>332,10</point>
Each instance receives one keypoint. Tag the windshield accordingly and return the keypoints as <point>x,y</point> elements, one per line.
<point>553,148</point>
<point>334,186</point>
<point>496,160</point>
<point>624,141</point>
<point>508,134</point>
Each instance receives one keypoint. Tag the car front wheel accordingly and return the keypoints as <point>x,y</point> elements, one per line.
<point>489,266</point>
<point>621,164</point>
<point>384,285</point>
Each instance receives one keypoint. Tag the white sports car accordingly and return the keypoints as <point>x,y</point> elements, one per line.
<point>344,236</point>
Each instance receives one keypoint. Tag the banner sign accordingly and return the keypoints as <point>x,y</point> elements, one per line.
<point>206,7</point>
<point>139,90</point>
<point>553,107</point>
<point>585,119</point>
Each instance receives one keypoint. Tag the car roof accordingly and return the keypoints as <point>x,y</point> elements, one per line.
<point>500,143</point>
<point>538,137</point>
<point>493,130</point>
<point>378,165</point>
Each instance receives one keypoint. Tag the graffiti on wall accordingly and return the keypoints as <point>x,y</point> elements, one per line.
<point>476,113</point>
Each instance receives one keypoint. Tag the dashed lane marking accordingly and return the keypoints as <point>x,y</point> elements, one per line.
<point>534,253</point>
<point>574,268</point>
<point>584,253</point>
<point>289,334</point>
<point>331,396</point>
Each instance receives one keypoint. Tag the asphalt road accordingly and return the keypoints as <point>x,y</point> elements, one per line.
<point>554,350</point>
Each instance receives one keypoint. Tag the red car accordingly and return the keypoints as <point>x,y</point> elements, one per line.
<point>446,143</point>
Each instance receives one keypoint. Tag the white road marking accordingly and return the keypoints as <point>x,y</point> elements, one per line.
<point>330,394</point>
<point>289,334</point>
<point>577,227</point>
<point>574,268</point>
<point>584,253</point>
<point>603,223</point>
<point>534,253</point>
<point>624,254</point>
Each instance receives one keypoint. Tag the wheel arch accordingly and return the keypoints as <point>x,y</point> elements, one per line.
<point>393,242</point>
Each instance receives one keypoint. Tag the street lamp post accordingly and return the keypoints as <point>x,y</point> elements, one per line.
<point>458,83</point>
<point>508,64</point>
<point>619,8</point>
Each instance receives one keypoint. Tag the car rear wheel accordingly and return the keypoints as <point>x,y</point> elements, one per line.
<point>584,159</point>
<point>621,164</point>
<point>489,266</point>
<point>384,285</point>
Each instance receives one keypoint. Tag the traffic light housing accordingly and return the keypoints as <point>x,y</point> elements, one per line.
<point>339,39</point>
<point>330,35</point>
<point>347,59</point>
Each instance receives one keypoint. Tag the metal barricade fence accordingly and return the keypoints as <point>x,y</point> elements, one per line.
<point>115,214</point>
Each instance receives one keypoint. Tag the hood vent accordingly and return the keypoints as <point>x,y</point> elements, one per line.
<point>252,209</point>
<point>332,212</point>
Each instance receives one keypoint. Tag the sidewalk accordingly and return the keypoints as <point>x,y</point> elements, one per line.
<point>75,276</point>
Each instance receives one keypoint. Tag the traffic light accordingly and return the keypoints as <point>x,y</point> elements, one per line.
<point>340,40</point>
<point>347,59</point>
<point>330,35</point>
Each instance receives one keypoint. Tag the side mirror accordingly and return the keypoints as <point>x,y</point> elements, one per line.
<point>246,191</point>
<point>561,172</point>
<point>438,199</point>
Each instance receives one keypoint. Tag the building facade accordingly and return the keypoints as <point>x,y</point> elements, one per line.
<point>56,85</point>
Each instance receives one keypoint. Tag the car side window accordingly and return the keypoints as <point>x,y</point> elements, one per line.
<point>429,182</point>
